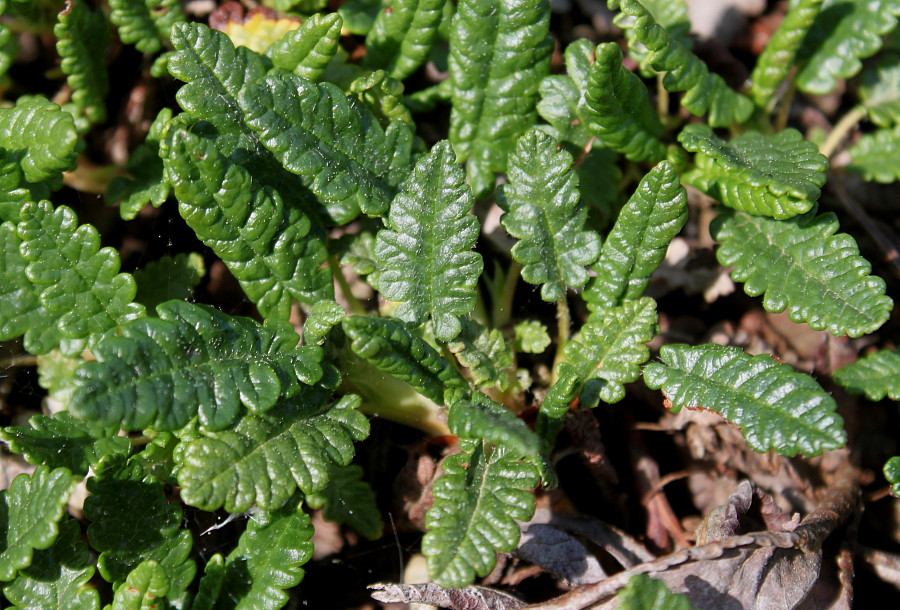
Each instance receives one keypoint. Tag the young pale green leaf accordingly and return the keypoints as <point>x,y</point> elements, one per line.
<point>844,32</point>
<point>499,52</point>
<point>475,416</point>
<point>556,405</point>
<point>30,511</point>
<point>878,375</point>
<point>562,101</point>
<point>383,95</point>
<point>308,49</point>
<point>705,93</point>
<point>483,491</point>
<point>145,588</point>
<point>531,337</point>
<point>145,23</point>
<point>804,265</point>
<point>424,253</point>
<point>56,374</point>
<point>8,48</point>
<point>132,523</point>
<point>401,36</point>
<point>169,278</point>
<point>542,211</point>
<point>619,110</point>
<point>775,406</point>
<point>877,156</point>
<point>484,352</point>
<point>388,345</point>
<point>645,593</point>
<point>323,316</point>
<point>611,350</point>
<point>193,360</point>
<point>41,138</point>
<point>264,458</point>
<point>892,474</point>
<point>143,182</point>
<point>64,442</point>
<point>79,282</point>
<point>332,142</point>
<point>347,499</point>
<point>774,63</point>
<point>778,176</point>
<point>638,241</point>
<point>880,90</point>
<point>83,37</point>
<point>59,573</point>
<point>272,248</point>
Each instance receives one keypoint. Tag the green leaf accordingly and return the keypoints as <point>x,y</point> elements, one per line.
<point>775,406</point>
<point>348,500</point>
<point>8,49</point>
<point>388,345</point>
<point>132,522</point>
<point>145,23</point>
<point>611,350</point>
<point>619,109</point>
<point>424,253</point>
<point>880,90</point>
<point>143,182</point>
<point>332,142</point>
<point>892,474</point>
<point>599,177</point>
<point>264,458</point>
<point>556,404</point>
<point>638,241</point>
<point>401,36</point>
<point>59,573</point>
<point>62,441</point>
<point>475,416</point>
<point>778,176</point>
<point>192,360</point>
<point>308,49</point>
<point>844,32</point>
<point>40,137</point>
<point>774,63</point>
<point>542,211</point>
<point>15,191</point>
<point>83,37</point>
<point>79,282</point>
<point>271,247</point>
<point>531,337</point>
<point>877,156</point>
<point>383,95</point>
<point>485,353</point>
<point>804,265</point>
<point>56,374</point>
<point>670,14</point>
<point>878,375</point>
<point>705,93</point>
<point>483,491</point>
<point>359,15</point>
<point>145,588</point>
<point>30,511</point>
<point>323,316</point>
<point>645,593</point>
<point>562,97</point>
<point>499,52</point>
<point>169,278</point>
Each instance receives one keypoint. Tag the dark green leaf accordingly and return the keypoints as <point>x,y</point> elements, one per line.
<point>383,95</point>
<point>562,97</point>
<point>83,37</point>
<point>145,23</point>
<point>348,500</point>
<point>556,404</point>
<point>485,353</point>
<point>308,49</point>
<point>880,90</point>
<point>40,137</point>
<point>475,416</point>
<point>892,474</point>
<point>878,375</point>
<point>323,316</point>
<point>144,182</point>
<point>401,36</point>
<point>169,278</point>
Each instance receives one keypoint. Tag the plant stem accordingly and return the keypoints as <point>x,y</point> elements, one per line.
<point>354,304</point>
<point>503,308</point>
<point>841,129</point>
<point>662,98</point>
<point>17,361</point>
<point>784,112</point>
<point>562,332</point>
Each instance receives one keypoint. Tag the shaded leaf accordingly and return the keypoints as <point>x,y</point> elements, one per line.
<point>169,278</point>
<point>562,101</point>
<point>82,38</point>
<point>485,353</point>
<point>308,49</point>
<point>359,15</point>
<point>880,90</point>
<point>145,23</point>
<point>401,36</point>
<point>347,499</point>
<point>144,182</point>
<point>556,404</point>
<point>40,137</point>
<point>645,593</point>
<point>475,416</point>
<point>877,156</point>
<point>775,406</point>
<point>878,375</point>
<point>892,474</point>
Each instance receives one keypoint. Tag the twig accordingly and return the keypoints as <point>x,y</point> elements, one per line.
<point>841,129</point>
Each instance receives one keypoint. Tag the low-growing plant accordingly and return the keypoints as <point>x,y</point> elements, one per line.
<point>299,166</point>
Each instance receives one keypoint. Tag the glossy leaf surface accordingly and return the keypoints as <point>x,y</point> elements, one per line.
<point>877,375</point>
<point>402,35</point>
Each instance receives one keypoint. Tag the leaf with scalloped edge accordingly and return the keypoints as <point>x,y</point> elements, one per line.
<point>779,176</point>
<point>323,316</point>
<point>499,52</point>
<point>332,142</point>
<point>619,111</point>
<point>271,247</point>
<point>638,241</point>
<point>145,23</point>
<point>611,350</point>
<point>347,499</point>
<point>562,101</point>
<point>477,501</point>
<point>645,593</point>
<point>705,93</point>
<point>878,375</point>
<point>383,95</point>
<point>474,416</point>
<point>879,90</point>
<point>59,573</point>
<point>388,345</point>
<point>556,404</point>
<point>775,406</point>
<point>892,474</point>
<point>143,181</point>
<point>193,360</point>
<point>401,36</point>
<point>132,522</point>
<point>40,137</point>
<point>844,32</point>
<point>169,278</point>
<point>308,49</point>
<point>778,57</point>
<point>804,265</point>
<point>80,283</point>
<point>670,14</point>
<point>266,457</point>
<point>145,588</point>
<point>531,337</point>
<point>82,40</point>
<point>541,210</point>
<point>424,253</point>
<point>30,511</point>
<point>485,352</point>
<point>876,156</point>
<point>15,190</point>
